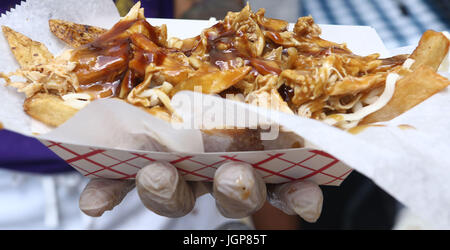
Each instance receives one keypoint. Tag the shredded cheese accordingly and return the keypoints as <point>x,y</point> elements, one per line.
<point>408,63</point>
<point>330,69</point>
<point>159,94</point>
<point>445,65</point>
<point>212,21</point>
<point>77,100</point>
<point>389,90</point>
<point>373,101</point>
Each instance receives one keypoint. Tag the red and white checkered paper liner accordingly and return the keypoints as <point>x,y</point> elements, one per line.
<point>277,166</point>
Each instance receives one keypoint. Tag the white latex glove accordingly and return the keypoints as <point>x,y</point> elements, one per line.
<point>238,189</point>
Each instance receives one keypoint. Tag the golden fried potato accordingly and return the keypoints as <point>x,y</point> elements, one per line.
<point>432,49</point>
<point>410,90</point>
<point>49,109</point>
<point>212,82</point>
<point>26,51</point>
<point>74,34</point>
<point>160,112</point>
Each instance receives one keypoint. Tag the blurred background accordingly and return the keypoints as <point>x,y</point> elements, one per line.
<point>358,203</point>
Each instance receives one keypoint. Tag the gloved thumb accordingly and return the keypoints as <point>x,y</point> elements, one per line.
<point>303,198</point>
<point>238,189</point>
<point>164,191</point>
<point>101,195</point>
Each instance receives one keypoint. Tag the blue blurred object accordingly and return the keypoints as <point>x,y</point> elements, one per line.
<point>6,5</point>
<point>158,8</point>
<point>398,22</point>
<point>25,154</point>
<point>153,8</point>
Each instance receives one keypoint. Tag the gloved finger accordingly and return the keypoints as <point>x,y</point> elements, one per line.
<point>164,191</point>
<point>239,191</point>
<point>302,197</point>
<point>101,195</point>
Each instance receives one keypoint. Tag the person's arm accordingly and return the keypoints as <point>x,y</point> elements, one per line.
<point>271,218</point>
<point>204,9</point>
<point>181,6</point>
<point>25,154</point>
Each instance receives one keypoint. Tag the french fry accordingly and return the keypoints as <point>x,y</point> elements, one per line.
<point>74,34</point>
<point>49,109</point>
<point>160,112</point>
<point>214,82</point>
<point>432,49</point>
<point>414,88</point>
<point>26,51</point>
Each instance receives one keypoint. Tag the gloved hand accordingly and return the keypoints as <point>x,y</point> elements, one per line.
<point>238,189</point>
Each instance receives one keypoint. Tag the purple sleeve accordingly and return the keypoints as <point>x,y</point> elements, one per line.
<point>158,8</point>
<point>6,5</point>
<point>21,153</point>
<point>153,8</point>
